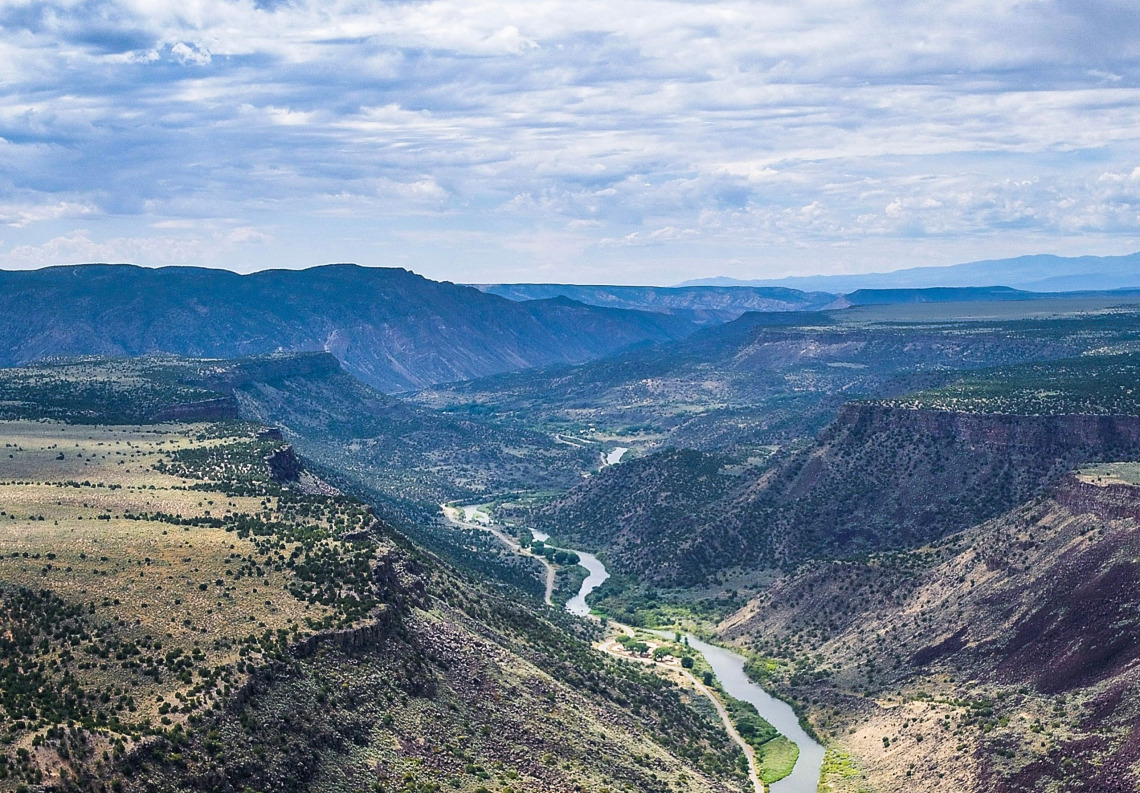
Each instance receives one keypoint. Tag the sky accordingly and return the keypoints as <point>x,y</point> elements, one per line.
<point>593,141</point>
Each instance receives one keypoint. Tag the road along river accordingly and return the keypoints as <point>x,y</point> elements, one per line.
<point>729,670</point>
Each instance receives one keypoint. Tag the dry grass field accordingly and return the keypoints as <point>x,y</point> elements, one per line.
<point>1111,474</point>
<point>131,599</point>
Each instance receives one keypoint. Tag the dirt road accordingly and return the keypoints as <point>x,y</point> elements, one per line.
<point>455,516</point>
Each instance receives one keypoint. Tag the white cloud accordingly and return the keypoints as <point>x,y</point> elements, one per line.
<point>21,215</point>
<point>175,244</point>
<point>80,246</point>
<point>567,130</point>
<point>191,54</point>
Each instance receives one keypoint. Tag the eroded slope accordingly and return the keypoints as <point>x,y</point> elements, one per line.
<point>1003,659</point>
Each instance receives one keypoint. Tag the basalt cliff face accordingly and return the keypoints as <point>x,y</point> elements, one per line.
<point>1108,501</point>
<point>1017,433</point>
<point>220,409</point>
<point>231,375</point>
<point>884,477</point>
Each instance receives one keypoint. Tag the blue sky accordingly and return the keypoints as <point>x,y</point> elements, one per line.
<point>585,141</point>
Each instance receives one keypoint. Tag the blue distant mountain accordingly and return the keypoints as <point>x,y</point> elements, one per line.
<point>938,294</point>
<point>393,329</point>
<point>1039,273</point>
<point>705,305</point>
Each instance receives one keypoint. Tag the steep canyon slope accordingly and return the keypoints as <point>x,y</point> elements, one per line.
<point>1002,658</point>
<point>882,476</point>
<point>174,617</point>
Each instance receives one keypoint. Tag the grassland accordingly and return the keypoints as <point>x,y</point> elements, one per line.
<point>840,773</point>
<point>775,755</point>
<point>1111,474</point>
<point>134,600</point>
<point>97,390</point>
<point>1090,385</point>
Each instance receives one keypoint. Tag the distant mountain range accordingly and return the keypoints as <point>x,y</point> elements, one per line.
<point>1041,273</point>
<point>704,305</point>
<point>711,301</point>
<point>398,331</point>
<point>393,329</point>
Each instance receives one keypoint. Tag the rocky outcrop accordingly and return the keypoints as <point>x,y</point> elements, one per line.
<point>369,532</point>
<point>1111,501</point>
<point>355,637</point>
<point>269,368</point>
<point>284,464</point>
<point>399,580</point>
<point>220,409</point>
<point>1014,432</point>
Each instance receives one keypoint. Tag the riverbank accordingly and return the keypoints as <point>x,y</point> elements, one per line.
<point>459,517</point>
<point>725,665</point>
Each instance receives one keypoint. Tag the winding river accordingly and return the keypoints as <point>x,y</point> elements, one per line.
<point>614,457</point>
<point>597,575</point>
<point>729,669</point>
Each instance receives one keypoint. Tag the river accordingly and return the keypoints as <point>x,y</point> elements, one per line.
<point>729,669</point>
<point>614,457</point>
<point>597,575</point>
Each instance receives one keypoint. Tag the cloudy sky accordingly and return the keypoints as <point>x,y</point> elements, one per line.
<point>557,140</point>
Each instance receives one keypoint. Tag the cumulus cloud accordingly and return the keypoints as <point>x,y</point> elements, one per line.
<point>717,135</point>
<point>21,215</point>
<point>190,54</point>
<point>191,245</point>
